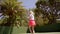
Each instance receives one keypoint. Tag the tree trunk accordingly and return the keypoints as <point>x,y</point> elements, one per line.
<point>10,21</point>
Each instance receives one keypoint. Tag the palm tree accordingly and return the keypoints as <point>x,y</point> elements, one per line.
<point>11,8</point>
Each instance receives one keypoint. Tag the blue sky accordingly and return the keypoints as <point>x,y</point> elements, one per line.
<point>28,3</point>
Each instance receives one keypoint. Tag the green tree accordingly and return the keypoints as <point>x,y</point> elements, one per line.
<point>52,15</point>
<point>11,8</point>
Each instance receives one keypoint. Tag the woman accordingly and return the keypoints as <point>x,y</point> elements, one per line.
<point>31,22</point>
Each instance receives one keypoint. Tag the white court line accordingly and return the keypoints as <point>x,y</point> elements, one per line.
<point>43,33</point>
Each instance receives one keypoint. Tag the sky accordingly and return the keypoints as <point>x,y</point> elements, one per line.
<point>28,3</point>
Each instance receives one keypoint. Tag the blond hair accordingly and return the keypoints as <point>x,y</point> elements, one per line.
<point>31,12</point>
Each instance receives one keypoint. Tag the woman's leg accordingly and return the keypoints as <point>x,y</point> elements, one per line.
<point>33,31</point>
<point>30,29</point>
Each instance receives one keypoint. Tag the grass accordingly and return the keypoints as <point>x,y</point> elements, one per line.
<point>19,30</point>
<point>12,30</point>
